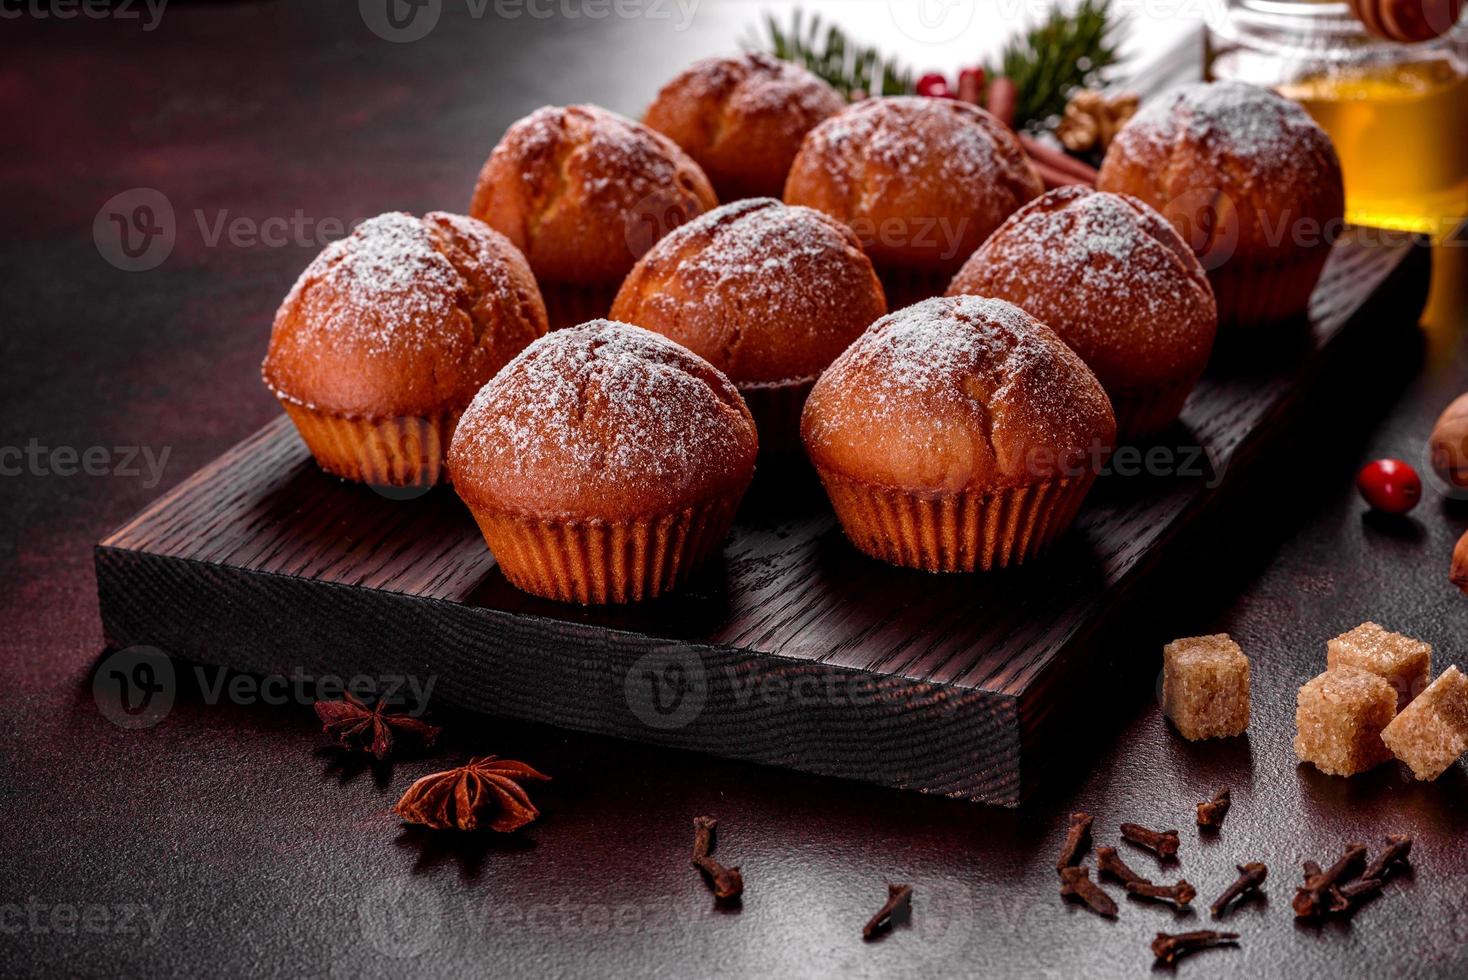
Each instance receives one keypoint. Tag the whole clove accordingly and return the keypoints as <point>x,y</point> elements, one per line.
<point>1251,876</point>
<point>1212,812</point>
<point>1163,843</point>
<point>1321,892</point>
<point>1330,892</point>
<point>1076,883</point>
<point>897,908</point>
<point>1355,892</point>
<point>727,883</point>
<point>1388,859</point>
<point>1077,841</point>
<point>1179,894</point>
<point>1108,862</point>
<point>1168,948</point>
<point>1328,898</point>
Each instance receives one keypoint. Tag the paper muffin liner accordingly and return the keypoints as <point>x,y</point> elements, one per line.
<point>962,532</point>
<point>776,409</point>
<point>1260,293</point>
<point>905,287</point>
<point>400,451</point>
<point>1144,413</point>
<point>596,561</point>
<point>570,305</point>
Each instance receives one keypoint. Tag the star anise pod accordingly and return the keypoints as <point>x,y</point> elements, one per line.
<point>484,794</point>
<point>356,726</point>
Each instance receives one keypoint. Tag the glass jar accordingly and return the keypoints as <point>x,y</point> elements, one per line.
<point>1398,113</point>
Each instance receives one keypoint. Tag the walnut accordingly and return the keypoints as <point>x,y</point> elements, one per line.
<point>1458,574</point>
<point>1448,444</point>
<point>1092,119</point>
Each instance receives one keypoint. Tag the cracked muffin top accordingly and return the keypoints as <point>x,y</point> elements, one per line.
<point>957,394</point>
<point>766,293</point>
<point>1112,278</point>
<point>583,192</point>
<point>922,181</point>
<point>405,316</point>
<point>603,421</point>
<point>742,118</point>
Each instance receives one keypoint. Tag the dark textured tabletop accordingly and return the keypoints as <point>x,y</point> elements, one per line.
<point>228,839</point>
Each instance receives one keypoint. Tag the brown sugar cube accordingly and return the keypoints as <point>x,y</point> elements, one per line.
<point>1405,663</point>
<point>1205,686</point>
<point>1339,717</point>
<point>1432,732</point>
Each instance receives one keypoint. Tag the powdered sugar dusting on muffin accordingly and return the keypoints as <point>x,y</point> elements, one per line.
<point>980,364</point>
<point>603,404</point>
<point>754,82</point>
<point>382,287</point>
<point>1079,247</point>
<point>937,344</point>
<point>890,132</point>
<point>780,258</point>
<point>1241,121</point>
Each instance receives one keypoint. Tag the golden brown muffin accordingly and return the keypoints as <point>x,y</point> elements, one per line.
<point>389,333</point>
<point>1117,283</point>
<point>743,118</point>
<point>604,464</point>
<point>1249,181</point>
<point>921,181</point>
<point>584,192</point>
<point>768,294</point>
<point>957,434</point>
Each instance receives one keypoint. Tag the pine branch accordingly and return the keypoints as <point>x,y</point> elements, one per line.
<point>1062,53</point>
<point>849,67</point>
<point>1048,62</point>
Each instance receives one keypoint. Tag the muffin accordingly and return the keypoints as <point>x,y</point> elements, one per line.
<point>1118,284</point>
<point>604,464</point>
<point>389,333</point>
<point>1249,181</point>
<point>742,118</point>
<point>584,192</point>
<point>957,434</point>
<point>921,181</point>
<point>768,294</point>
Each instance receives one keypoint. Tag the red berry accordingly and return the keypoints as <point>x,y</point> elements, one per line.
<point>1390,486</point>
<point>934,86</point>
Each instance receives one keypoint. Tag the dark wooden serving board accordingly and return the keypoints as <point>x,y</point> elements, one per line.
<point>793,650</point>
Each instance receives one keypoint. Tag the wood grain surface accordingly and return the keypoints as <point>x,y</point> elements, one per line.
<point>793,649</point>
